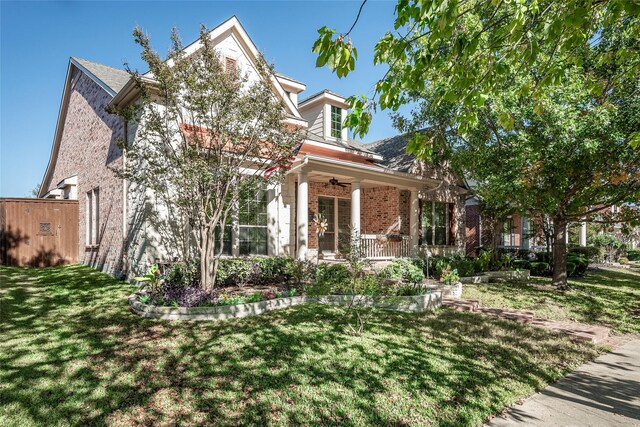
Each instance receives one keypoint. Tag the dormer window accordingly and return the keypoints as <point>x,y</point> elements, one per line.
<point>336,122</point>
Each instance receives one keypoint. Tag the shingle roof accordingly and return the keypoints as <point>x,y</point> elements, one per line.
<point>351,144</point>
<point>114,78</point>
<point>393,151</point>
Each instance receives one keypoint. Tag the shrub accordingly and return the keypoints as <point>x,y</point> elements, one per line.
<point>623,260</point>
<point>633,255</point>
<point>543,257</point>
<point>591,253</point>
<point>580,261</point>
<point>330,279</point>
<point>260,270</point>
<point>521,264</point>
<point>404,270</point>
<point>610,245</point>
<point>450,276</point>
<point>540,268</point>
<point>234,271</point>
<point>465,267</point>
<point>571,269</point>
<point>184,273</point>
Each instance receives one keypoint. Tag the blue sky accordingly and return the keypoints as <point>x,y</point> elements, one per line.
<point>37,39</point>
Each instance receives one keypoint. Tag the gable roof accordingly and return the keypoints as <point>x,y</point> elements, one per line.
<point>109,78</point>
<point>234,27</point>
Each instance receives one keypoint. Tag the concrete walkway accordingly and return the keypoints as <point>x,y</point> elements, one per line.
<point>605,392</point>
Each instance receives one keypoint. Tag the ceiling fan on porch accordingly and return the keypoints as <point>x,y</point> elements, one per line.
<point>334,181</point>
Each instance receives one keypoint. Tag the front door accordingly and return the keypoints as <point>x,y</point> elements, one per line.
<point>338,215</point>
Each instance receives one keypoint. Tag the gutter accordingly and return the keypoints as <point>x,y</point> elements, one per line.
<point>373,169</point>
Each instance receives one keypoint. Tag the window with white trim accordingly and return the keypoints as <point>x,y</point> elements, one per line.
<point>336,122</point>
<point>92,217</point>
<point>508,233</point>
<point>253,224</point>
<point>435,221</point>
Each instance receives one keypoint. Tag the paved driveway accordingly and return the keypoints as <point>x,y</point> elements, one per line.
<point>605,392</point>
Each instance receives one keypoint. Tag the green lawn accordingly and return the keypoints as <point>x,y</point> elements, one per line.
<point>72,353</point>
<point>609,297</point>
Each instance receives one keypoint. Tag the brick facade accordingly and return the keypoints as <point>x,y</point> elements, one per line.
<point>88,148</point>
<point>383,210</point>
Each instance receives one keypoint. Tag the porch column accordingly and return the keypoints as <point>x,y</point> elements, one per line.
<point>355,209</point>
<point>583,233</point>
<point>414,209</point>
<point>302,215</point>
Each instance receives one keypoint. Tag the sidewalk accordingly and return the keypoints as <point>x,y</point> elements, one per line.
<point>605,392</point>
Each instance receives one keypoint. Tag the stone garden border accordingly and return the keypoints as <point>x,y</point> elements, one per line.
<point>491,276</point>
<point>414,303</point>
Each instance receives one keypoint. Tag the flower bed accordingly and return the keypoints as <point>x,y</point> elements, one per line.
<point>414,303</point>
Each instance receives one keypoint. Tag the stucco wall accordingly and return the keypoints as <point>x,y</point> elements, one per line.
<point>88,148</point>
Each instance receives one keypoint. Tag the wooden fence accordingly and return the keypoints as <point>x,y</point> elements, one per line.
<point>38,232</point>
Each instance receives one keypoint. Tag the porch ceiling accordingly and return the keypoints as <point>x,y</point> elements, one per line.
<point>321,169</point>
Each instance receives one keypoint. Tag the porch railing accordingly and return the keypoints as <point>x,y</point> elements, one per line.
<point>379,246</point>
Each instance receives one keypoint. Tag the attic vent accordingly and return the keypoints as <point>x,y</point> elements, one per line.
<point>230,65</point>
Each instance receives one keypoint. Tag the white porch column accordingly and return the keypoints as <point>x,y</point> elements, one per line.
<point>583,233</point>
<point>302,215</point>
<point>414,208</point>
<point>273,227</point>
<point>355,209</point>
<point>566,234</point>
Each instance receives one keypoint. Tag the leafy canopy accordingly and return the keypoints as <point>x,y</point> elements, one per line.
<point>470,50</point>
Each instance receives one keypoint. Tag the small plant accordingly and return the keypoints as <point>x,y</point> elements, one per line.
<point>152,278</point>
<point>449,277</point>
<point>145,299</point>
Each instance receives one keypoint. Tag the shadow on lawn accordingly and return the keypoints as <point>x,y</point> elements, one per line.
<point>606,297</point>
<point>73,352</point>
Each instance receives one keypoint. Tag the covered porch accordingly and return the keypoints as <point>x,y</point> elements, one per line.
<point>381,206</point>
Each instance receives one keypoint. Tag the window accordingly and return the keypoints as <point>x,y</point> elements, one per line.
<point>253,224</point>
<point>226,238</point>
<point>508,237</point>
<point>436,223</point>
<point>336,122</point>
<point>92,215</point>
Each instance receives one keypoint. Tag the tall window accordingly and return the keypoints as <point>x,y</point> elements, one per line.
<point>253,224</point>
<point>92,214</point>
<point>336,122</point>
<point>508,237</point>
<point>435,223</point>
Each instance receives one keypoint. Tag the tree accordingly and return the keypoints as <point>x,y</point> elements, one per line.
<point>206,135</point>
<point>536,101</point>
<point>476,47</point>
<point>564,154</point>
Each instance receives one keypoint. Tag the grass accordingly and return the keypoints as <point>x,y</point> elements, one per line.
<point>608,297</point>
<point>73,354</point>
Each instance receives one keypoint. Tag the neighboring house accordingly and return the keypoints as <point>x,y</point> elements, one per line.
<point>396,204</point>
<point>519,232</point>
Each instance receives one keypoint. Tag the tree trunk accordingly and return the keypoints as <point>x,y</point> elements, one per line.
<point>206,261</point>
<point>559,252</point>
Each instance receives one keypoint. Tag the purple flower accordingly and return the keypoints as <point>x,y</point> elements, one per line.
<point>186,296</point>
